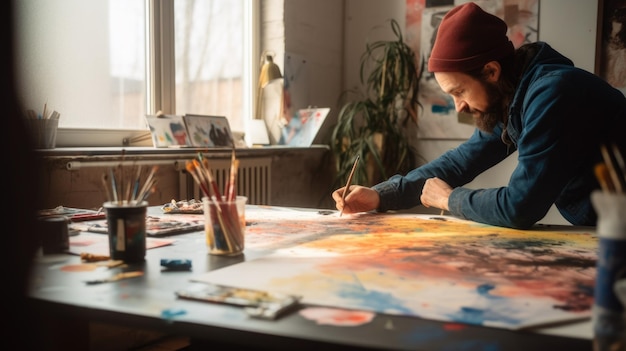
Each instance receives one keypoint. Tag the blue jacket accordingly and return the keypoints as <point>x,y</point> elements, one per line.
<point>559,117</point>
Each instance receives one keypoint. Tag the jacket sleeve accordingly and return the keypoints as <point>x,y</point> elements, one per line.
<point>457,167</point>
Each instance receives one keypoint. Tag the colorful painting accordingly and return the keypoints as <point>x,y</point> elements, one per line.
<point>211,131</point>
<point>302,128</point>
<point>167,130</point>
<point>438,268</point>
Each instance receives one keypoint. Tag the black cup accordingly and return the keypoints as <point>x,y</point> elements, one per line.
<point>54,234</point>
<point>127,231</point>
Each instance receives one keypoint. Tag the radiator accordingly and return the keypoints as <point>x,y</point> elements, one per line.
<point>253,180</point>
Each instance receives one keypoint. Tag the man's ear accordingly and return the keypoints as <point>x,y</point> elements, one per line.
<point>492,71</point>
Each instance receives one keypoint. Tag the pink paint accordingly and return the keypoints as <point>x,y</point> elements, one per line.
<point>337,317</point>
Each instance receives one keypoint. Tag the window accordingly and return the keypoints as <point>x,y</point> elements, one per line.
<point>104,65</point>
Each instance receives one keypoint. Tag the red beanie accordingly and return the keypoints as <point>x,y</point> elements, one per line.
<point>468,38</point>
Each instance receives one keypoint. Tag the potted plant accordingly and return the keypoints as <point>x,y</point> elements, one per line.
<point>375,125</point>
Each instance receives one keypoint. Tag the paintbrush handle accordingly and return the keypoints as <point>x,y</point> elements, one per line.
<point>348,182</point>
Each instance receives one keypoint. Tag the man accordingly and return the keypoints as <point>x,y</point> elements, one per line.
<point>532,100</point>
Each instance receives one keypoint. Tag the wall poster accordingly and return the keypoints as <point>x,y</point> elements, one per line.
<point>438,118</point>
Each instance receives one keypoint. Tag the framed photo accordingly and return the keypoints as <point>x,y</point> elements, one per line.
<point>208,131</point>
<point>611,43</point>
<point>168,130</point>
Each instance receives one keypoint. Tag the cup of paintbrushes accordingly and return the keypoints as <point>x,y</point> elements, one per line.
<point>225,225</point>
<point>43,132</point>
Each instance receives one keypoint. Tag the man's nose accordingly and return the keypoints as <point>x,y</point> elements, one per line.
<point>460,105</point>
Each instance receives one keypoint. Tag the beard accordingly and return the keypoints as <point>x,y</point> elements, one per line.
<point>487,120</point>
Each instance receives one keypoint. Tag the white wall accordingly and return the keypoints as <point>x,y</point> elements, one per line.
<point>366,21</point>
<point>570,26</point>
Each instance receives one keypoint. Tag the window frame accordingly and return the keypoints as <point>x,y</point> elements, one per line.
<point>161,77</point>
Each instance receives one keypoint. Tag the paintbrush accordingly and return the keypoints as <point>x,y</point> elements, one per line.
<point>191,169</point>
<point>120,166</point>
<point>204,166</point>
<point>148,183</point>
<point>621,165</point>
<point>232,191</point>
<point>604,177</point>
<point>105,184</point>
<point>613,170</point>
<point>149,188</point>
<point>347,188</point>
<point>136,184</point>
<point>119,276</point>
<point>113,185</point>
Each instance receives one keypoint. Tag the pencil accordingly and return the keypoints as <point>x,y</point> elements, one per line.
<point>345,191</point>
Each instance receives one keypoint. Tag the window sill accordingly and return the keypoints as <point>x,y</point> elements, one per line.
<point>172,151</point>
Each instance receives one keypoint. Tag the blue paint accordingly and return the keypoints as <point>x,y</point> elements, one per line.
<point>373,300</point>
<point>484,289</point>
<point>472,315</point>
<point>478,316</point>
<point>441,109</point>
<point>171,313</point>
<point>176,264</point>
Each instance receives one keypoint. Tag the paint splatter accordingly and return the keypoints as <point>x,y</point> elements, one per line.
<point>453,270</point>
<point>171,313</point>
<point>337,317</point>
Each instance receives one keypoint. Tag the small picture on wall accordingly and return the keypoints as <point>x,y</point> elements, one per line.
<point>611,53</point>
<point>168,130</point>
<point>208,131</point>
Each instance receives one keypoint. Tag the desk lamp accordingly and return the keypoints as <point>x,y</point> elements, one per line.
<point>270,72</point>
